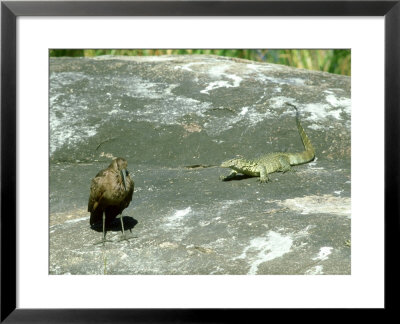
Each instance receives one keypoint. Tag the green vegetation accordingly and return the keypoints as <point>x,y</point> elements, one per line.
<point>334,61</point>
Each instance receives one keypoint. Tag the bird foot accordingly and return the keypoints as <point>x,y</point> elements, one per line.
<point>126,238</point>
<point>102,242</point>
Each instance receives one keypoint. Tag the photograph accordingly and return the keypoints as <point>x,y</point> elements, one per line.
<point>199,161</point>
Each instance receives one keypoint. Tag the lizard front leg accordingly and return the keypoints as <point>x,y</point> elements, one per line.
<point>284,164</point>
<point>229,176</point>
<point>263,174</point>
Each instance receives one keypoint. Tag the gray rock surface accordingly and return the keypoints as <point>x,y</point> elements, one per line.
<point>172,117</point>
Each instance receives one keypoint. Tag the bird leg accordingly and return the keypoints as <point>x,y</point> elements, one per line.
<point>122,225</point>
<point>124,238</point>
<point>104,232</point>
<point>104,227</point>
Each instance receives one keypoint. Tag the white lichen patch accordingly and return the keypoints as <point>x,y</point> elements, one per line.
<point>313,163</point>
<point>333,107</point>
<point>171,110</point>
<point>225,79</point>
<point>293,81</point>
<point>137,87</point>
<point>316,127</point>
<point>325,204</point>
<point>114,111</point>
<point>76,220</point>
<point>218,73</point>
<point>342,102</point>
<point>215,85</point>
<point>319,112</point>
<point>72,216</point>
<point>262,73</point>
<point>269,247</point>
<point>280,102</point>
<point>161,105</point>
<point>188,66</point>
<point>176,219</point>
<point>314,166</point>
<point>317,270</point>
<point>203,223</point>
<point>244,111</point>
<point>169,245</point>
<point>263,249</point>
<point>248,115</point>
<point>323,253</point>
<point>316,112</point>
<point>302,233</point>
<point>226,204</point>
<point>67,127</point>
<point>61,131</point>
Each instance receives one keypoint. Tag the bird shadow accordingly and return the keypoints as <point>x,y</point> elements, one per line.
<point>115,225</point>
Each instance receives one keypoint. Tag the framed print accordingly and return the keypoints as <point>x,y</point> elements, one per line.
<point>138,182</point>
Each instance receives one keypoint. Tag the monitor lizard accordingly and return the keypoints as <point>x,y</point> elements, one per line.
<point>271,162</point>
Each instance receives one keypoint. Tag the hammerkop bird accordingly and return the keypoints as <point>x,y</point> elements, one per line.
<point>111,192</point>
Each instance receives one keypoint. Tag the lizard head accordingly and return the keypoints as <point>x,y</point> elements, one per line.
<point>230,163</point>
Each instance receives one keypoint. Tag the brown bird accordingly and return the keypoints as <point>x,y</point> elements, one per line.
<point>111,192</point>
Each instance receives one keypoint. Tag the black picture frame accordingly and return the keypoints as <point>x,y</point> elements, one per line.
<point>10,10</point>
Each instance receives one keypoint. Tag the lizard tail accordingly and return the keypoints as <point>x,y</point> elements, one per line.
<point>307,155</point>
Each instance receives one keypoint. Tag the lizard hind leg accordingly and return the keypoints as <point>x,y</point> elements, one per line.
<point>263,174</point>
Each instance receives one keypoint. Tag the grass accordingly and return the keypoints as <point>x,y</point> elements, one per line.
<point>336,61</point>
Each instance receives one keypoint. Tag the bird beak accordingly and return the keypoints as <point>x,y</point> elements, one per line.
<point>123,175</point>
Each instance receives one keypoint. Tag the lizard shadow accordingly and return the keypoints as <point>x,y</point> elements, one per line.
<point>238,177</point>
<point>115,225</point>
